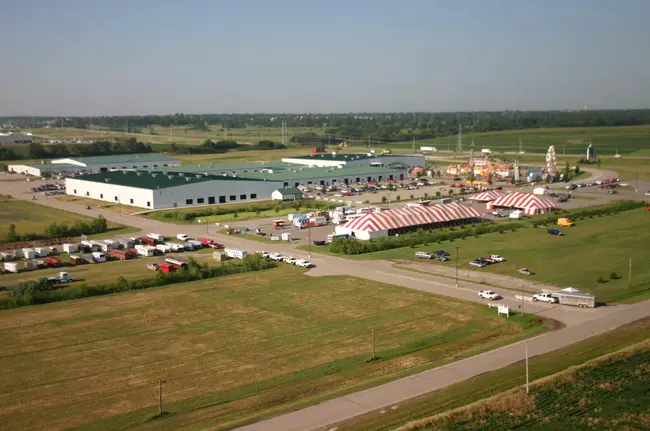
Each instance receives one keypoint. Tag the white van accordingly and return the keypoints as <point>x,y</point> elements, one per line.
<point>182,237</point>
<point>236,253</point>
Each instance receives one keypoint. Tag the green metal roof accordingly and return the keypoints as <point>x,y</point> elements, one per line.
<point>302,173</point>
<point>225,167</point>
<point>339,157</point>
<point>156,180</point>
<point>290,192</point>
<point>123,159</point>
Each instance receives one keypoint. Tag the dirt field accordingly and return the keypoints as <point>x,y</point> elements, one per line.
<point>227,349</point>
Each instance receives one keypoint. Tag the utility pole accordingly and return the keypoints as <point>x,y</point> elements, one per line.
<point>374,345</point>
<point>457,253</point>
<point>160,383</point>
<point>522,300</point>
<point>309,239</point>
<point>527,380</point>
<point>629,275</point>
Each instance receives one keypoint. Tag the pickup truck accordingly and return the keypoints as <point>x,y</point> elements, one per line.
<point>545,297</point>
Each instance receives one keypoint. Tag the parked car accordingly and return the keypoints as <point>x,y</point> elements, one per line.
<point>423,255</point>
<point>442,258</point>
<point>304,263</point>
<point>478,263</point>
<point>526,271</point>
<point>440,253</point>
<point>263,253</point>
<point>497,258</point>
<point>289,259</point>
<point>556,232</point>
<point>545,297</point>
<point>489,295</point>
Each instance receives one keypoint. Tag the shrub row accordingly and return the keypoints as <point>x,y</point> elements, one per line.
<point>59,230</point>
<point>421,236</point>
<point>39,292</point>
<point>253,208</point>
<point>582,213</point>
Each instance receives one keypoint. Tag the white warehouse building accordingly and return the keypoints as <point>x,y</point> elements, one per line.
<point>96,164</point>
<point>356,160</point>
<point>156,190</point>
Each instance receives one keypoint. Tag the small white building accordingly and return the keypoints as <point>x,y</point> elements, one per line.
<point>95,164</point>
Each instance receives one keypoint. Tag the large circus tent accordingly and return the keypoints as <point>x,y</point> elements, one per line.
<point>403,220</point>
<point>487,196</point>
<point>527,202</point>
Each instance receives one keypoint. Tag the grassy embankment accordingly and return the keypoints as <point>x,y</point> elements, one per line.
<point>244,346</point>
<point>616,387</point>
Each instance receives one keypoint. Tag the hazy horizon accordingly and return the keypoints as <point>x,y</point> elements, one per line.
<point>74,58</point>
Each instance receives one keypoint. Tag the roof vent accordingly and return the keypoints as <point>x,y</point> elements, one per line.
<point>124,172</point>
<point>107,179</point>
<point>171,177</point>
<point>187,178</point>
<point>199,176</point>
<point>154,175</point>
<point>137,173</point>
<point>181,174</point>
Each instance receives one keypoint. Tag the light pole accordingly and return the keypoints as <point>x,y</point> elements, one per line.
<point>309,239</point>
<point>527,391</point>
<point>457,253</point>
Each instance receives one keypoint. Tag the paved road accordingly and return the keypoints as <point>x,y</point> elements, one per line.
<point>579,323</point>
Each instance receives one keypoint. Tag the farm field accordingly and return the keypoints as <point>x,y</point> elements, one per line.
<point>419,409</point>
<point>592,248</point>
<point>29,217</point>
<point>227,349</point>
<point>573,140</point>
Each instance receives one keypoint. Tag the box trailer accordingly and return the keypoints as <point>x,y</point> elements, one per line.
<point>318,221</point>
<point>541,191</point>
<point>69,248</point>
<point>167,268</point>
<point>11,266</point>
<point>158,237</point>
<point>148,241</point>
<point>28,253</point>
<point>123,254</point>
<point>41,251</point>
<point>77,260</point>
<point>111,243</point>
<point>144,250</point>
<point>53,261</point>
<point>177,263</point>
<point>30,264</point>
<point>236,253</point>
<point>99,257</point>
<point>165,248</point>
<point>6,256</point>
<point>575,299</point>
<point>126,243</point>
<point>293,216</point>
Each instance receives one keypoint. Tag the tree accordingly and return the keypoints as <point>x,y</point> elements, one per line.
<point>12,236</point>
<point>398,198</point>
<point>489,179</point>
<point>277,209</point>
<point>383,199</point>
<point>577,170</point>
<point>411,196</point>
<point>173,147</point>
<point>36,151</point>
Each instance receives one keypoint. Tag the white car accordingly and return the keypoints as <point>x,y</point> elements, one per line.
<point>289,259</point>
<point>263,253</point>
<point>497,258</point>
<point>276,256</point>
<point>545,297</point>
<point>488,294</point>
<point>304,263</point>
<point>182,237</point>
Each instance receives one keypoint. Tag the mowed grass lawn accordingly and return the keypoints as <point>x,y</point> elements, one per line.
<point>34,218</point>
<point>229,349</point>
<point>592,248</point>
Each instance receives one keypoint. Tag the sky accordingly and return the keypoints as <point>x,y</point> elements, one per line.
<point>92,58</point>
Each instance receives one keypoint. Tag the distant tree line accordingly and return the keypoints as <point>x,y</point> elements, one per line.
<point>397,126</point>
<point>216,147</point>
<point>37,150</point>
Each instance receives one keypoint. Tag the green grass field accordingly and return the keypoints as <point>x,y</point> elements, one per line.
<point>416,410</point>
<point>594,247</point>
<point>34,218</point>
<point>240,347</point>
<point>571,140</point>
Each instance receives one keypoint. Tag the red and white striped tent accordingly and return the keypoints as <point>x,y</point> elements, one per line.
<point>375,225</point>
<point>527,202</point>
<point>487,196</point>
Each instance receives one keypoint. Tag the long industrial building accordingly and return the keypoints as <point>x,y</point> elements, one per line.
<point>96,164</point>
<point>186,186</point>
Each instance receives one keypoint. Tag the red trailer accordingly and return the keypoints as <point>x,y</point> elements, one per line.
<point>148,241</point>
<point>123,254</point>
<point>166,267</point>
<point>53,262</point>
